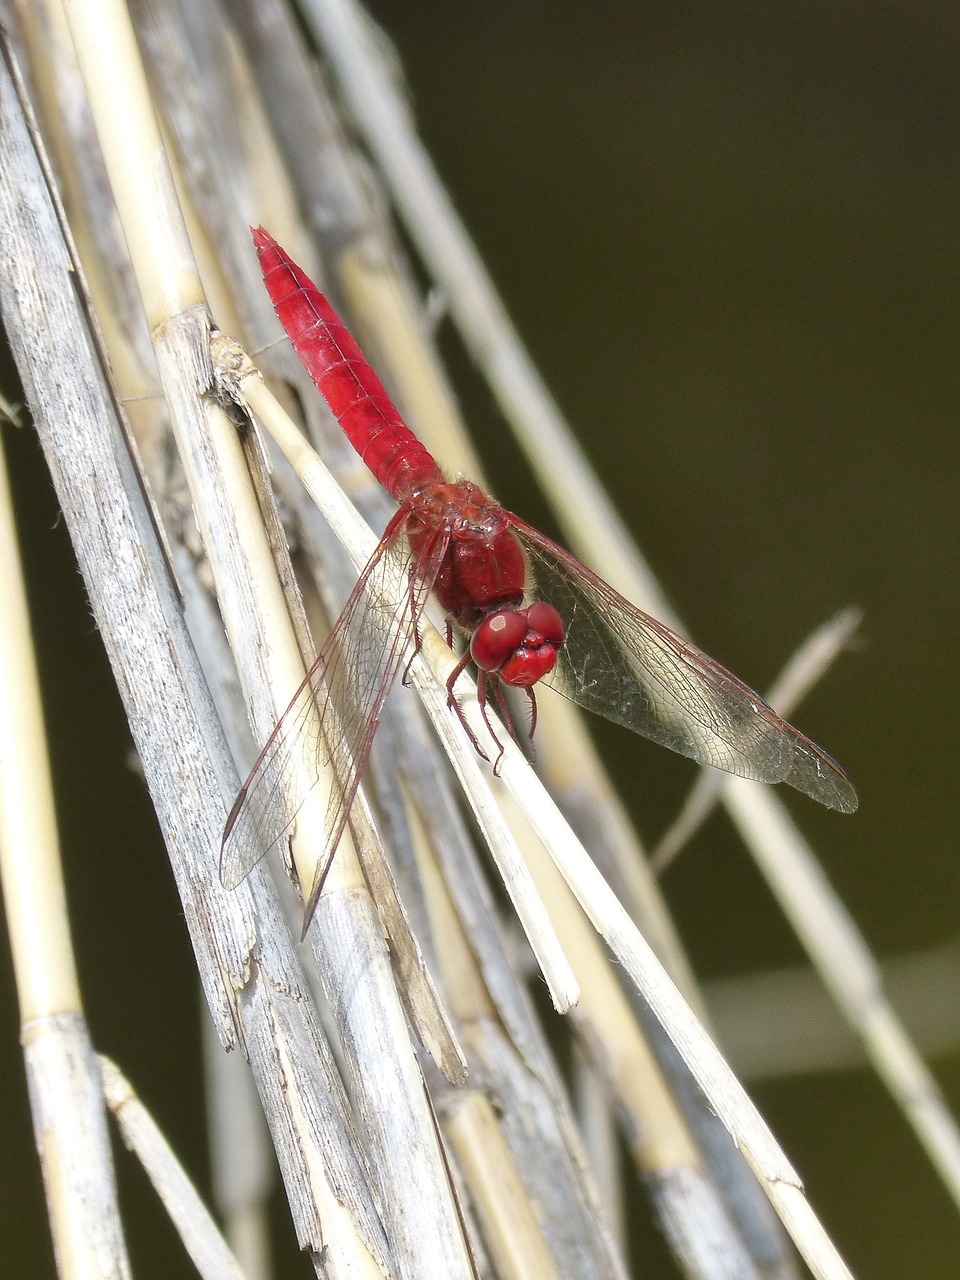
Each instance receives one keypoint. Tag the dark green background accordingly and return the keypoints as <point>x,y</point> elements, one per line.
<point>730,236</point>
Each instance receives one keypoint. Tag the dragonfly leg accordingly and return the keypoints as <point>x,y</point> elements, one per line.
<point>454,705</point>
<point>454,676</point>
<point>482,679</point>
<point>507,718</point>
<point>405,678</point>
<point>533,721</point>
<point>417,642</point>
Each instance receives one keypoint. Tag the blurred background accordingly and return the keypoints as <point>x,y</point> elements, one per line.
<point>729,235</point>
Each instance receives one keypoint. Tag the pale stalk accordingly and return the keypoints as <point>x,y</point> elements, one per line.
<point>521,1159</point>
<point>782,1023</point>
<point>243,1179</point>
<point>497,1192</point>
<point>196,1228</point>
<point>597,1123</point>
<point>853,977</point>
<point>695,1219</point>
<point>510,1226</point>
<point>66,1105</point>
<point>805,668</point>
<point>174,301</point>
<point>243,1169</point>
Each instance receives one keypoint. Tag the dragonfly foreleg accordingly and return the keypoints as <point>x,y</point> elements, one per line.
<point>505,716</point>
<point>414,613</point>
<point>533,721</point>
<point>455,706</point>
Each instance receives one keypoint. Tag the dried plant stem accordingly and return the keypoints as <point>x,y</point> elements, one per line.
<point>851,974</point>
<point>781,1022</point>
<point>805,668</point>
<point>61,1069</point>
<point>197,1230</point>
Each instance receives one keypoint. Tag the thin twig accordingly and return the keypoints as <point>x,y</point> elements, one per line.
<point>195,1226</point>
<point>806,667</point>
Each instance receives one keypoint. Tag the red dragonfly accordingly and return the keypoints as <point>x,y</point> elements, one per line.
<point>485,566</point>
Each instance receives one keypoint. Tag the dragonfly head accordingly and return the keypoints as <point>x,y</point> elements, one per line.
<point>520,645</point>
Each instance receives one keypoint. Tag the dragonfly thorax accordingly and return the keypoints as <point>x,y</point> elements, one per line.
<point>482,568</point>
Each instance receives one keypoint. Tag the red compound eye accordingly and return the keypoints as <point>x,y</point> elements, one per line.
<point>497,638</point>
<point>546,622</point>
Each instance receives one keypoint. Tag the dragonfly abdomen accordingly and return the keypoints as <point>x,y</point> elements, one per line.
<point>343,376</point>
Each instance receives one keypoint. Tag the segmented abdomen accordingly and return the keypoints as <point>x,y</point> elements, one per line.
<point>342,375</point>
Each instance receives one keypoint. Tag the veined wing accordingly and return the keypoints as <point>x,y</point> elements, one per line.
<point>334,714</point>
<point>625,665</point>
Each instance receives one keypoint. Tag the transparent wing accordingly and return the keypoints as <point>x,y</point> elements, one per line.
<point>627,666</point>
<point>331,720</point>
